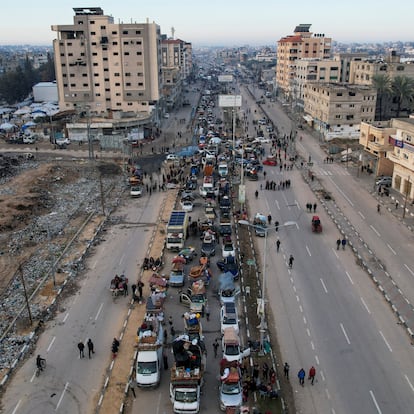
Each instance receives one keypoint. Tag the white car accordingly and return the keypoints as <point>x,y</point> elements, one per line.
<point>171,157</point>
<point>262,140</point>
<point>228,317</point>
<point>187,205</point>
<point>166,115</point>
<point>228,249</point>
<point>136,191</point>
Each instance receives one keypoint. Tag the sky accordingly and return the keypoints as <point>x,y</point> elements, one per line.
<point>221,22</point>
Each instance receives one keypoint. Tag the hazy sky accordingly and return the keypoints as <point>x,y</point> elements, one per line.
<point>221,22</point>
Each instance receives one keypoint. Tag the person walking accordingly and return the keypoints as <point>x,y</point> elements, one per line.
<point>207,311</point>
<point>90,347</point>
<point>215,347</point>
<point>301,376</point>
<point>277,245</point>
<point>286,368</point>
<point>314,207</point>
<point>140,286</point>
<point>265,371</point>
<point>269,219</point>
<point>291,259</point>
<point>379,208</point>
<point>312,373</point>
<point>343,243</point>
<point>165,358</point>
<point>81,347</point>
<point>276,225</point>
<point>338,243</point>
<point>133,384</point>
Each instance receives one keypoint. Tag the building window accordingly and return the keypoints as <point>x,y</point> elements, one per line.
<point>96,84</point>
<point>127,74</point>
<point>97,94</point>
<point>62,54</point>
<point>118,104</point>
<point>129,104</point>
<point>126,43</point>
<point>105,59</point>
<point>73,85</point>
<point>70,54</point>
<point>108,99</point>
<point>93,43</point>
<point>139,53</point>
<point>95,64</point>
<point>116,74</point>
<point>72,75</point>
<point>94,54</point>
<point>140,84</point>
<point>116,53</point>
<point>114,33</point>
<point>117,84</point>
<point>84,75</point>
<point>126,53</point>
<point>129,94</point>
<point>85,85</point>
<point>138,32</point>
<point>114,43</point>
<point>103,27</point>
<point>128,84</point>
<point>125,32</point>
<point>93,33</point>
<point>117,94</point>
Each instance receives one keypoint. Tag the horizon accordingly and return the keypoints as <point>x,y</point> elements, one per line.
<point>217,24</point>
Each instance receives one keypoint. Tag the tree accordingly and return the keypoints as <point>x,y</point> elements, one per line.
<point>382,83</point>
<point>403,91</point>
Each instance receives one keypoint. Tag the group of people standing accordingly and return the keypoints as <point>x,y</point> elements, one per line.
<point>301,374</point>
<point>273,185</point>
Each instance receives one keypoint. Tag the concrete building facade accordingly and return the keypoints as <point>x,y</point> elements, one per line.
<point>392,143</point>
<point>301,45</point>
<point>113,69</point>
<point>337,110</point>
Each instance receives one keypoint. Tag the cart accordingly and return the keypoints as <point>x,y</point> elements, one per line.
<point>316,224</point>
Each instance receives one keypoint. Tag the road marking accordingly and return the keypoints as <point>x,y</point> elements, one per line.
<point>312,346</point>
<point>335,253</point>
<point>350,278</point>
<point>375,230</point>
<point>323,285</point>
<point>409,383</point>
<point>317,360</point>
<point>391,249</point>
<point>297,204</point>
<point>308,332</point>
<point>322,375</point>
<point>344,332</point>
<point>159,403</point>
<point>94,264</point>
<point>61,397</point>
<point>366,307</point>
<point>99,311</point>
<point>386,342</point>
<point>17,406</point>
<point>51,344</point>
<point>343,194</point>
<point>277,204</point>
<point>361,215</point>
<point>409,269</point>
<point>286,202</point>
<point>121,259</point>
<point>307,249</point>
<point>375,402</point>
<point>327,394</point>
<point>66,317</point>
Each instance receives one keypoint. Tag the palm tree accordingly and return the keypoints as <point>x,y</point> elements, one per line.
<point>382,83</point>
<point>403,91</point>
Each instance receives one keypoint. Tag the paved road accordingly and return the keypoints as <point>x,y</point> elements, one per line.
<point>69,382</point>
<point>327,311</point>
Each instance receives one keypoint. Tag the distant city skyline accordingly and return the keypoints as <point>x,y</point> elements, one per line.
<point>221,23</point>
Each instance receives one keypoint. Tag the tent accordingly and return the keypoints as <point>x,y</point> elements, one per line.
<point>7,126</point>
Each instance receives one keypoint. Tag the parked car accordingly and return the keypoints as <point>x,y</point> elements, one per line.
<point>171,157</point>
<point>228,317</point>
<point>136,191</point>
<point>186,205</point>
<point>270,161</point>
<point>385,181</point>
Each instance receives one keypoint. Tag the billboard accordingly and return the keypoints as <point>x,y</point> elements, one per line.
<point>225,78</point>
<point>230,101</point>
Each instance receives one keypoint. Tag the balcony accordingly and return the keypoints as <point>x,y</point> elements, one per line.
<point>378,147</point>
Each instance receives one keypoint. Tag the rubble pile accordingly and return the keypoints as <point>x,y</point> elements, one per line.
<point>64,202</point>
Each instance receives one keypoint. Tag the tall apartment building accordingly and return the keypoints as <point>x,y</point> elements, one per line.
<point>301,45</point>
<point>112,69</point>
<point>176,64</point>
<point>337,110</point>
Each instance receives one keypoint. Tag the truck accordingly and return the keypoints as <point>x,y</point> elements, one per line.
<point>186,377</point>
<point>192,324</point>
<point>195,297</point>
<point>260,226</point>
<point>150,337</point>
<point>177,230</point>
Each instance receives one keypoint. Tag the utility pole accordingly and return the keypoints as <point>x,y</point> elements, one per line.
<point>25,294</point>
<point>102,194</point>
<point>407,189</point>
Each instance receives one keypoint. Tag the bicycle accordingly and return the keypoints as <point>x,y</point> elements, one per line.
<point>41,367</point>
